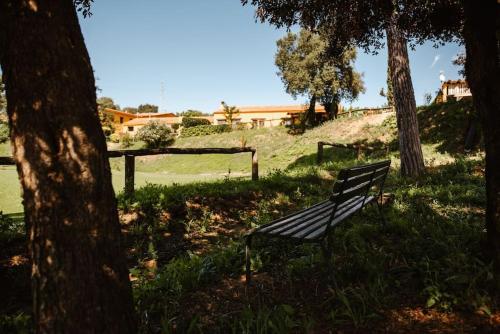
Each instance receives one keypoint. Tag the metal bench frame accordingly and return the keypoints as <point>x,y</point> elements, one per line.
<point>354,188</point>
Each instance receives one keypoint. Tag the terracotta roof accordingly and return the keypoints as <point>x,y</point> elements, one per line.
<point>143,115</point>
<point>273,109</point>
<point>144,121</point>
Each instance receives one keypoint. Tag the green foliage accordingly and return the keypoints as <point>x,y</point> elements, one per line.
<point>204,130</point>
<point>11,228</point>
<point>306,68</point>
<point>155,135</point>
<point>189,122</point>
<point>192,113</point>
<point>127,141</point>
<point>147,108</point>
<point>130,110</point>
<point>4,133</point>
<point>19,323</point>
<point>114,138</point>
<point>108,126</point>
<point>230,113</point>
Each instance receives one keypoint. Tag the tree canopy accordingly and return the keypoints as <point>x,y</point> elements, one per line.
<point>364,22</point>
<point>306,69</point>
<point>147,108</point>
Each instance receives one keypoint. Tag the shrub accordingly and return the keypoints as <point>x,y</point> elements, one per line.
<point>176,126</point>
<point>155,135</point>
<point>204,130</point>
<point>114,138</point>
<point>127,141</point>
<point>4,133</point>
<point>107,131</point>
<point>188,122</point>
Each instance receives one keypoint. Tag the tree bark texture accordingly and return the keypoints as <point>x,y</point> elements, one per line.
<point>482,34</point>
<point>412,160</point>
<point>79,275</point>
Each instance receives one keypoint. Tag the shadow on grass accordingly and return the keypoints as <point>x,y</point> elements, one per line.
<point>415,274</point>
<point>424,271</point>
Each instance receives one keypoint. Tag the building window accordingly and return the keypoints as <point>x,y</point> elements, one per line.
<point>131,129</point>
<point>221,121</point>
<point>121,120</point>
<point>261,123</point>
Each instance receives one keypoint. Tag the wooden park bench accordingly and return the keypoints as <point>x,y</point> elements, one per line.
<point>354,188</point>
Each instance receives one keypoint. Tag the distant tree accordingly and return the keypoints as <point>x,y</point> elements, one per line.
<point>427,98</point>
<point>107,122</point>
<point>230,113</point>
<point>106,102</point>
<point>306,68</point>
<point>79,274</point>
<point>155,135</point>
<point>192,113</point>
<point>460,61</point>
<point>147,108</point>
<point>130,110</point>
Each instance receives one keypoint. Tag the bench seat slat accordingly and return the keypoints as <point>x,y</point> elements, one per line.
<point>307,228</point>
<point>296,218</point>
<point>338,219</point>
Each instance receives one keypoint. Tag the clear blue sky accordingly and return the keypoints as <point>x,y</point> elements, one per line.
<point>208,51</point>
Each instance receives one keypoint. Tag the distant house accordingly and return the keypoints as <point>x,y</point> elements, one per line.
<point>267,116</point>
<point>453,89</point>
<point>125,122</point>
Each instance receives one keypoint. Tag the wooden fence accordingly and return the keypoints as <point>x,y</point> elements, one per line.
<point>359,148</point>
<point>131,154</point>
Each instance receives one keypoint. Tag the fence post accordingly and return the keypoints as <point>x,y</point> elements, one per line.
<point>319,156</point>
<point>255,166</point>
<point>129,174</point>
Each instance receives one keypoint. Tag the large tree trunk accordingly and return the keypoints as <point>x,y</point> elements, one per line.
<point>481,33</point>
<point>412,160</point>
<point>79,275</point>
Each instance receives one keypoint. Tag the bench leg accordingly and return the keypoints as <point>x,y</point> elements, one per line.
<point>380,211</point>
<point>248,270</point>
<point>327,250</point>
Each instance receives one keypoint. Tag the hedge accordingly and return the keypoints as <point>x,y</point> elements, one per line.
<point>189,122</point>
<point>203,130</point>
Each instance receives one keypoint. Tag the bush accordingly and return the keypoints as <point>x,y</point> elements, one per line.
<point>114,138</point>
<point>4,133</point>
<point>188,122</point>
<point>155,135</point>
<point>176,126</point>
<point>127,141</point>
<point>204,130</point>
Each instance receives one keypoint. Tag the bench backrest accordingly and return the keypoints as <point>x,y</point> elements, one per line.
<point>364,180</point>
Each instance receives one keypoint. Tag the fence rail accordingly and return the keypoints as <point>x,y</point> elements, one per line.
<point>359,148</point>
<point>131,154</point>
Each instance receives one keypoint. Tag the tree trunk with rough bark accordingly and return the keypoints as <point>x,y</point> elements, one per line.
<point>79,275</point>
<point>481,34</point>
<point>410,149</point>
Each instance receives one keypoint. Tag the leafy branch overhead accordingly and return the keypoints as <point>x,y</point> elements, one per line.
<point>306,68</point>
